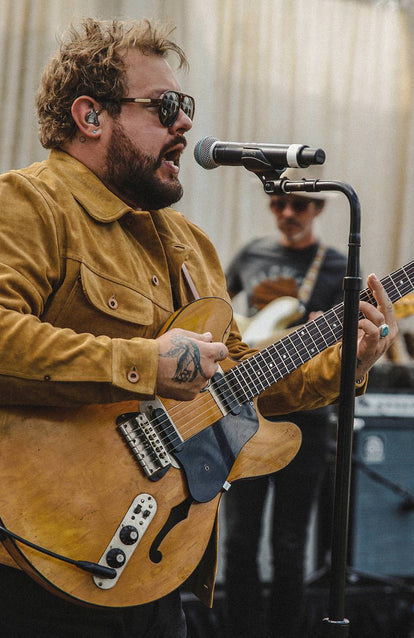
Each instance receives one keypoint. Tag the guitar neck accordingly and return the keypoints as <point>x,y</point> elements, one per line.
<point>254,375</point>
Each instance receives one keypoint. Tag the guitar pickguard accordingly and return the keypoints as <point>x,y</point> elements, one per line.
<point>208,457</point>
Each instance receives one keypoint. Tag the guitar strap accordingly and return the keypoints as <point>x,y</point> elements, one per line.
<point>190,282</point>
<point>308,283</point>
<point>305,290</point>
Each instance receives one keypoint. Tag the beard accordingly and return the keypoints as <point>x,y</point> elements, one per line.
<point>130,173</point>
<point>293,231</point>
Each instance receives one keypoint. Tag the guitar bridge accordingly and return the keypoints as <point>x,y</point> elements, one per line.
<point>145,444</point>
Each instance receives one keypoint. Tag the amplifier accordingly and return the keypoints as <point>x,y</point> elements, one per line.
<point>382,513</point>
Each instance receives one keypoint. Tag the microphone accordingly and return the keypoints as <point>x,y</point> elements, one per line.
<point>210,153</point>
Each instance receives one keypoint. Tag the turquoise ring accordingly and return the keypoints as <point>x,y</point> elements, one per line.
<point>383,330</point>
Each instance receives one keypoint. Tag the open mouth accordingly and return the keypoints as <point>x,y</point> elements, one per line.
<point>172,158</point>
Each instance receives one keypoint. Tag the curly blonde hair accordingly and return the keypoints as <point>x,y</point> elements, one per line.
<point>91,62</point>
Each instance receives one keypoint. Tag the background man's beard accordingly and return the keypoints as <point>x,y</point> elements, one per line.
<point>131,174</point>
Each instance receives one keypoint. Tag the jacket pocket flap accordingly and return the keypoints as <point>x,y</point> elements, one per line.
<point>116,299</point>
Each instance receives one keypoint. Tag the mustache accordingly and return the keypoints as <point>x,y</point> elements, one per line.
<point>178,139</point>
<point>289,224</point>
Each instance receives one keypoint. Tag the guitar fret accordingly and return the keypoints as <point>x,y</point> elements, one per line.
<point>404,283</point>
<point>296,342</point>
<point>273,363</point>
<point>238,384</point>
<point>286,358</point>
<point>317,340</point>
<point>338,323</point>
<point>395,289</point>
<point>257,369</point>
<point>311,345</point>
<point>318,337</point>
<point>401,281</point>
<point>277,372</point>
<point>307,342</point>
<point>253,385</point>
<point>269,371</point>
<point>328,327</point>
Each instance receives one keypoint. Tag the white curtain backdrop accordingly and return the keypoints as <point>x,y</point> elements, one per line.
<point>334,74</point>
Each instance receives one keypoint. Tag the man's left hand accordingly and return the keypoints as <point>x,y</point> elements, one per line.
<point>371,343</point>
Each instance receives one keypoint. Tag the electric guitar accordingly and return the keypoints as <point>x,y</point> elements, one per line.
<point>130,492</point>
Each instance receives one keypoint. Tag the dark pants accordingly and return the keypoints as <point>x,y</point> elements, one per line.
<point>29,611</point>
<point>296,488</point>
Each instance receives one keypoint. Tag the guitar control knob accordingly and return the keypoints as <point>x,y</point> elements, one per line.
<point>115,557</point>
<point>129,535</point>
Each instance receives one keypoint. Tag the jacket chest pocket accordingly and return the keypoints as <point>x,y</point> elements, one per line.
<point>101,305</point>
<point>116,300</point>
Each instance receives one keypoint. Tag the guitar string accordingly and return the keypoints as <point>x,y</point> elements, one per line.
<point>399,291</point>
<point>338,313</point>
<point>258,387</point>
<point>207,413</point>
<point>252,384</point>
<point>303,348</point>
<point>189,427</point>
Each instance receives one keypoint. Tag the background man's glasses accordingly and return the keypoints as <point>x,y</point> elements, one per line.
<point>169,105</point>
<point>298,205</point>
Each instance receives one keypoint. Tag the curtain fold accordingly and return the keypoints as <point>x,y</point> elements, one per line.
<point>335,74</point>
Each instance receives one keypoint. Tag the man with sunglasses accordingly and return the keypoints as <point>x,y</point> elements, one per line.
<point>93,263</point>
<point>294,264</point>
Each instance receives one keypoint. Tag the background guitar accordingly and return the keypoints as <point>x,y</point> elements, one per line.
<point>271,323</point>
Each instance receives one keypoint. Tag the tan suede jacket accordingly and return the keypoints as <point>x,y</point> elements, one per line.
<point>86,283</point>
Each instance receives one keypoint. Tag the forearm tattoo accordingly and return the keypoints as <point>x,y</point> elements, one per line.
<point>188,359</point>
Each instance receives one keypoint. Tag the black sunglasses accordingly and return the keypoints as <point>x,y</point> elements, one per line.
<point>169,105</point>
<point>298,205</point>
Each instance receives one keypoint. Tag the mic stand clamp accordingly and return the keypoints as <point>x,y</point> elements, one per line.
<point>336,625</point>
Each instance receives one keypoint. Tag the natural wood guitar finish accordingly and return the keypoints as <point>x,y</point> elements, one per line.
<point>69,477</point>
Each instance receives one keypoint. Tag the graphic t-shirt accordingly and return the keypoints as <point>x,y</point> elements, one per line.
<point>265,270</point>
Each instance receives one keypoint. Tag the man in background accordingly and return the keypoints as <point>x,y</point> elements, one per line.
<point>306,277</point>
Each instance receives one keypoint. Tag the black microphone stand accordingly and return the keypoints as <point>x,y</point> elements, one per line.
<point>335,625</point>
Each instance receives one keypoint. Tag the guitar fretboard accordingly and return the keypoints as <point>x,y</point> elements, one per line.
<point>254,375</point>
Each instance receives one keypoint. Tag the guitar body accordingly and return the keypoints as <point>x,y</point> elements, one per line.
<point>68,480</point>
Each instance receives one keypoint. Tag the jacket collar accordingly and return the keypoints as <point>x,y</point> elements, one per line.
<point>97,200</point>
<point>87,188</point>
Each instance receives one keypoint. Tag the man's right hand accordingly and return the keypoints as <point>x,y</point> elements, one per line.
<point>186,362</point>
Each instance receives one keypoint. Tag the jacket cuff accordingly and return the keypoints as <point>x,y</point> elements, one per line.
<point>135,365</point>
<point>325,372</point>
<point>332,360</point>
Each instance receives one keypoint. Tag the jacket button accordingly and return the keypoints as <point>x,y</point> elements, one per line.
<point>155,281</point>
<point>112,303</point>
<point>133,376</point>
